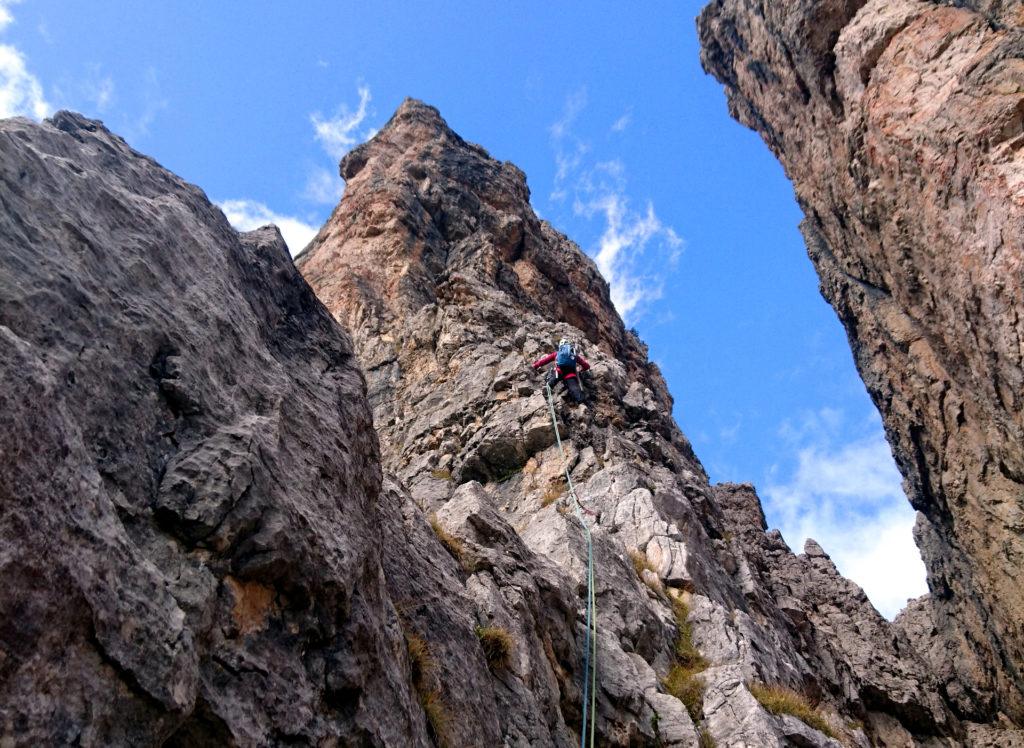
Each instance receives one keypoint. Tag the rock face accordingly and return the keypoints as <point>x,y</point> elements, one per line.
<point>188,550</point>
<point>451,286</point>
<point>205,543</point>
<point>901,125</point>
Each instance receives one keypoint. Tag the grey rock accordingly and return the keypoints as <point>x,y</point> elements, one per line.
<point>475,303</point>
<point>189,471</point>
<point>237,569</point>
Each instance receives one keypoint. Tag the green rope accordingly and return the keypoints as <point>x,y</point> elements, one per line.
<point>590,656</point>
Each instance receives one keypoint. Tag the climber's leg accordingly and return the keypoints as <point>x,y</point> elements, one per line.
<point>573,385</point>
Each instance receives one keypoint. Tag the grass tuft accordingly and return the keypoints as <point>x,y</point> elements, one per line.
<point>497,644</point>
<point>683,680</point>
<point>552,492</point>
<point>419,658</point>
<point>705,739</point>
<point>451,543</point>
<point>688,687</point>
<point>438,718</point>
<point>782,700</point>
<point>686,653</point>
<point>640,562</point>
<point>434,709</point>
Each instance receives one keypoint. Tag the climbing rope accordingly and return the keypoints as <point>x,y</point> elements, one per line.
<point>590,655</point>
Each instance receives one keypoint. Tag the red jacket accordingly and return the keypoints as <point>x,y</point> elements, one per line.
<point>581,364</point>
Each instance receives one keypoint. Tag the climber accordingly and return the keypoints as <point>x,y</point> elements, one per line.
<point>567,365</point>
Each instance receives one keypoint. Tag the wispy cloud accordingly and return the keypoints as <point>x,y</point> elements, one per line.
<point>846,493</point>
<point>21,94</point>
<point>338,134</point>
<point>6,17</point>
<point>574,104</point>
<point>569,149</point>
<point>323,187</point>
<point>635,245</point>
<point>153,102</point>
<point>623,122</point>
<point>621,247</point>
<point>99,91</point>
<point>246,215</point>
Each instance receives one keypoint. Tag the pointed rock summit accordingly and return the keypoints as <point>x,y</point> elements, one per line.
<point>226,520</point>
<point>451,286</point>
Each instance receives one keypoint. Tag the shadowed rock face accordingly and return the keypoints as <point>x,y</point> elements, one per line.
<point>901,125</point>
<point>187,472</point>
<point>451,286</point>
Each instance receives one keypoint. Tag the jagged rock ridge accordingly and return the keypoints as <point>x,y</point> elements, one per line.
<point>450,285</point>
<point>901,125</point>
<point>199,547</point>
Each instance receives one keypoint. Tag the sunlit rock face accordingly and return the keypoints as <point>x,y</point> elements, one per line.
<point>901,127</point>
<point>451,286</point>
<point>225,521</point>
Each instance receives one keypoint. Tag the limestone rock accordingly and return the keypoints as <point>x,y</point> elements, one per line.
<point>187,538</point>
<point>900,125</point>
<point>451,286</point>
<point>200,545</point>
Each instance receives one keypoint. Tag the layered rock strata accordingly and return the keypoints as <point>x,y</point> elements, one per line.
<point>901,125</point>
<point>450,286</point>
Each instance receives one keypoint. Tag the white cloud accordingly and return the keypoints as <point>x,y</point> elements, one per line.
<point>623,253</point>
<point>20,91</point>
<point>567,162</point>
<point>338,135</point>
<point>574,104</point>
<point>246,215</point>
<point>569,149</point>
<point>6,17</point>
<point>99,92</point>
<point>623,122</point>
<point>849,497</point>
<point>323,187</point>
<point>625,237</point>
<point>137,127</point>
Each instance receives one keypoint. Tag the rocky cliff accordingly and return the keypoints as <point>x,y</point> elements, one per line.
<point>450,286</point>
<point>188,475</point>
<point>901,125</point>
<point>227,522</point>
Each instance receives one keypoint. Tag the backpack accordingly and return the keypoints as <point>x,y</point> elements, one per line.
<point>566,357</point>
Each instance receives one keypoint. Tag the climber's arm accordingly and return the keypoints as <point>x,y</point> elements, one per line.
<point>544,360</point>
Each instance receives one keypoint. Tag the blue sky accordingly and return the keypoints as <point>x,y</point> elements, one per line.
<point>628,149</point>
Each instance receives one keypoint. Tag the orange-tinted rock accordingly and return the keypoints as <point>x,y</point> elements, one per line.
<point>901,125</point>
<point>451,286</point>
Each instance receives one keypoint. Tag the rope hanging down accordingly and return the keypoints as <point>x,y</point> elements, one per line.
<point>590,656</point>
